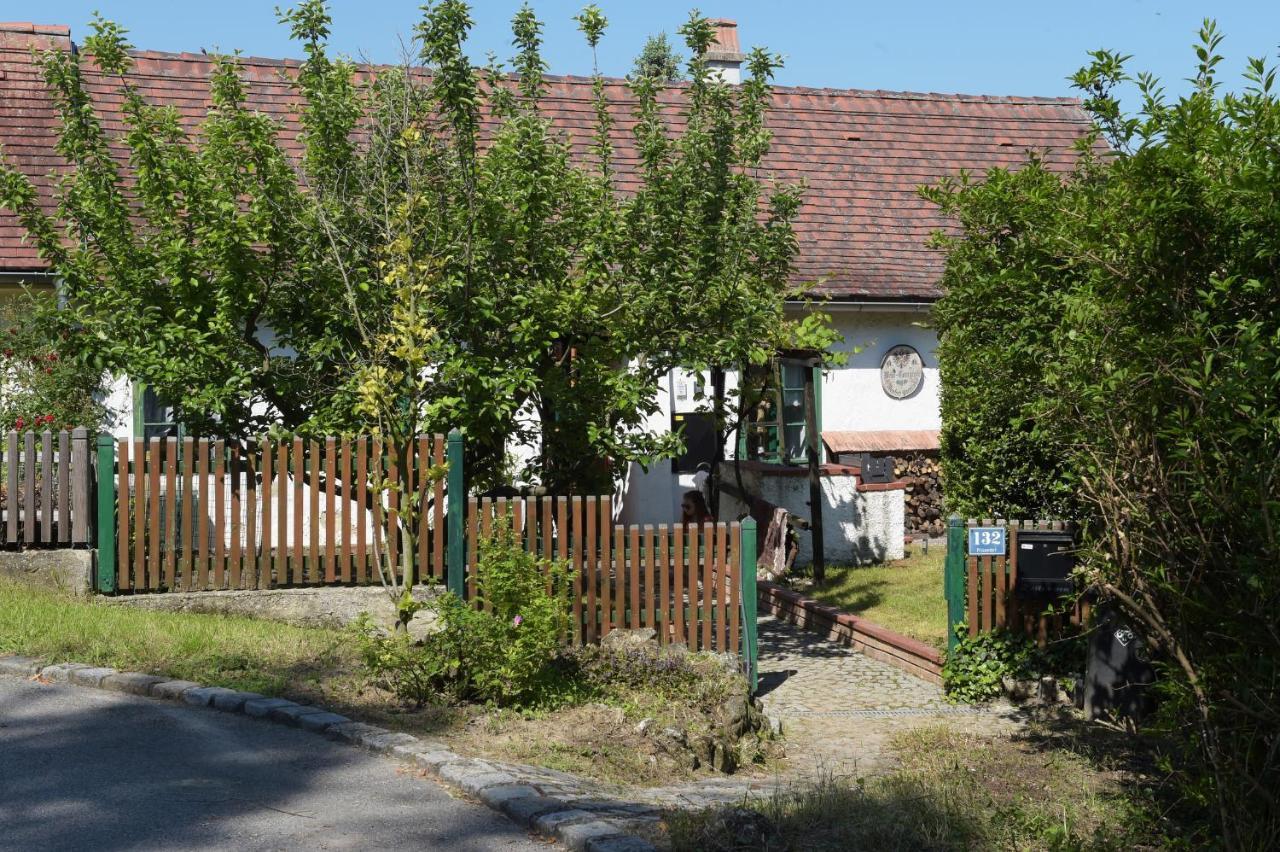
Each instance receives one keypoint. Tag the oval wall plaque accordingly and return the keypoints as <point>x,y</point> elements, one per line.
<point>901,372</point>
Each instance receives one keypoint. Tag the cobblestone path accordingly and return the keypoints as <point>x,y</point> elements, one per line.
<point>840,709</point>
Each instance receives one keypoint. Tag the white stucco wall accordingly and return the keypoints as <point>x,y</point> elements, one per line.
<point>858,527</point>
<point>852,398</point>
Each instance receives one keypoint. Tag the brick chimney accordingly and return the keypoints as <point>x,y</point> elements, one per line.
<point>24,34</point>
<point>725,57</point>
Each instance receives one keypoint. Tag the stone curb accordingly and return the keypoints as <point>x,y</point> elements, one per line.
<point>577,828</point>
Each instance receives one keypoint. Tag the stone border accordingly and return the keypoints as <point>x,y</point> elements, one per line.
<point>583,826</point>
<point>910,655</point>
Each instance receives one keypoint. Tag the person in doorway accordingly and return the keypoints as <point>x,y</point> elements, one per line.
<point>693,508</point>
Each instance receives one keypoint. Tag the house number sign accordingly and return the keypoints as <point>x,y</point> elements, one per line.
<point>901,372</point>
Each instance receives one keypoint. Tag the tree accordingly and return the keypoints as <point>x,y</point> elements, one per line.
<point>1138,303</point>
<point>42,385</point>
<point>658,59</point>
<point>440,253</point>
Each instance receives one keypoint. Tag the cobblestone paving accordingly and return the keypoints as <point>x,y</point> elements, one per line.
<point>839,709</point>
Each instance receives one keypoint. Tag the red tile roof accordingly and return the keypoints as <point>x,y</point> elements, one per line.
<point>862,230</point>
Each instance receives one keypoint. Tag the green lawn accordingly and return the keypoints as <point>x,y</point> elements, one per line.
<point>904,596</point>
<point>242,653</point>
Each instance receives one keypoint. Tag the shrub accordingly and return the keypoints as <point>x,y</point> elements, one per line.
<point>1137,297</point>
<point>42,384</point>
<point>975,669</point>
<point>499,648</point>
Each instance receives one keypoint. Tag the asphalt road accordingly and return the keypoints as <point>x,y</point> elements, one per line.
<point>88,770</point>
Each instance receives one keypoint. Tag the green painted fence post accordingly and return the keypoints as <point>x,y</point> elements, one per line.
<point>457,509</point>
<point>106,532</point>
<point>953,578</point>
<point>750,643</point>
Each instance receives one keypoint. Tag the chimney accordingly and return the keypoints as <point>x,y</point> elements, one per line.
<point>725,58</point>
<point>26,35</point>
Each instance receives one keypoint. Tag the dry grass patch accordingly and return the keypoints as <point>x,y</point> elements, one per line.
<point>953,791</point>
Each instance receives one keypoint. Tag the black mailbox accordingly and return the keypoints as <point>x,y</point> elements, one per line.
<point>877,469</point>
<point>1046,559</point>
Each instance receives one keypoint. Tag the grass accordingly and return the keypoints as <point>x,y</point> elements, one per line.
<point>242,653</point>
<point>904,596</point>
<point>311,665</point>
<point>953,791</point>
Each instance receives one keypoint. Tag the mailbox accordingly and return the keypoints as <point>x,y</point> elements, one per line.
<point>1046,559</point>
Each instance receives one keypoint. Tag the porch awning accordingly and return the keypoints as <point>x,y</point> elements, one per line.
<point>881,441</point>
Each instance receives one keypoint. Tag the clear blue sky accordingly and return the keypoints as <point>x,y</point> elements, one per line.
<point>1026,47</point>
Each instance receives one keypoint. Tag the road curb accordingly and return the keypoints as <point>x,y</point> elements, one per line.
<point>578,829</point>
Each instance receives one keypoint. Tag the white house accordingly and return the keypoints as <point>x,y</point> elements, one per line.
<point>863,257</point>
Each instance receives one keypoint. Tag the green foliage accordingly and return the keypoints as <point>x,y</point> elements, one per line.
<point>1127,320</point>
<point>658,59</point>
<point>975,669</point>
<point>44,386</point>
<point>416,277</point>
<point>499,648</point>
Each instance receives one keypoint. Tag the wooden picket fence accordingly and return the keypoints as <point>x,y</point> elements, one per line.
<point>684,582</point>
<point>991,603</point>
<point>207,514</point>
<point>48,483</point>
<point>197,514</point>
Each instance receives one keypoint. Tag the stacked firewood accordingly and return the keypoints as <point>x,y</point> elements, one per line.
<point>922,475</point>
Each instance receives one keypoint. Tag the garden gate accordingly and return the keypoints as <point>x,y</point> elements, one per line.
<point>980,588</point>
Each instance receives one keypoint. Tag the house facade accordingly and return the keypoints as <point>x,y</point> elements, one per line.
<point>864,257</point>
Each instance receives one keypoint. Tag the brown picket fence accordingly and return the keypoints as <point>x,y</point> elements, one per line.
<point>48,485</point>
<point>990,596</point>
<point>681,581</point>
<point>196,514</point>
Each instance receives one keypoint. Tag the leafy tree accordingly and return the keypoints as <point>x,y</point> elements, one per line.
<point>440,256</point>
<point>658,59</point>
<point>1134,308</point>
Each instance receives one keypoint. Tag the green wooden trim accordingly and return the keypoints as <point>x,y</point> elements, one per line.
<point>106,537</point>
<point>139,392</point>
<point>457,508</point>
<point>953,578</point>
<point>747,568</point>
<point>817,412</point>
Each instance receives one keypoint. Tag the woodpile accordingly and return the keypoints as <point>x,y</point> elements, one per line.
<point>922,474</point>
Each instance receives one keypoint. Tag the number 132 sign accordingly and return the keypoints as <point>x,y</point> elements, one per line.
<point>987,541</point>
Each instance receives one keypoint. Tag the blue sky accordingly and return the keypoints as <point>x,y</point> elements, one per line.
<point>1025,48</point>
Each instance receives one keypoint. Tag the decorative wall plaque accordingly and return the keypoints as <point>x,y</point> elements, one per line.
<point>901,372</point>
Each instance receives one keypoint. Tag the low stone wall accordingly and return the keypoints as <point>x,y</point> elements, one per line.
<point>321,606</point>
<point>862,523</point>
<point>65,570</point>
<point>910,655</point>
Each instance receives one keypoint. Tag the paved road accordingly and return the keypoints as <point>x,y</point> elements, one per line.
<point>87,770</point>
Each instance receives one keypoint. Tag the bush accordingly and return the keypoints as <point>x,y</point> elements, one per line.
<point>1136,298</point>
<point>498,649</point>
<point>975,669</point>
<point>43,386</point>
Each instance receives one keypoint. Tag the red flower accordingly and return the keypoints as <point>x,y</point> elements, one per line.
<point>48,370</point>
<point>20,423</point>
<point>8,353</point>
<point>52,356</point>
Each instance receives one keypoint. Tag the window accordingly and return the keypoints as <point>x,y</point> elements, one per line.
<point>152,416</point>
<point>776,430</point>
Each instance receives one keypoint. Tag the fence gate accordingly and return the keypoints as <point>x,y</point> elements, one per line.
<point>196,514</point>
<point>980,588</point>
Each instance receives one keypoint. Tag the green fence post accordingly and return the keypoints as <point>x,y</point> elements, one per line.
<point>750,645</point>
<point>953,578</point>
<point>457,495</point>
<point>106,532</point>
